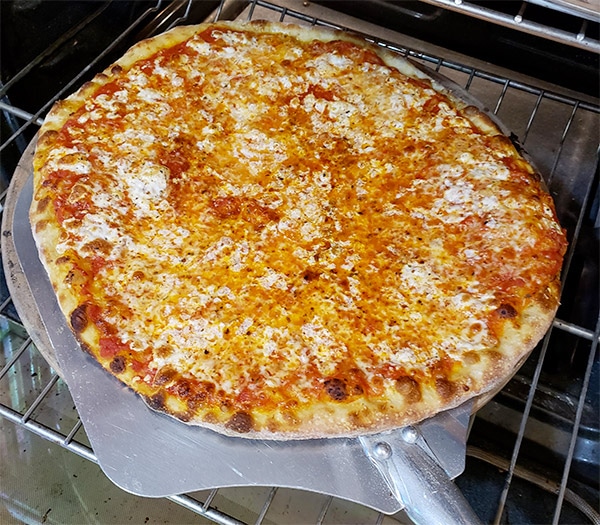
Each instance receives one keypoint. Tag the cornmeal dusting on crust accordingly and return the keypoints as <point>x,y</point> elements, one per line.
<point>271,229</point>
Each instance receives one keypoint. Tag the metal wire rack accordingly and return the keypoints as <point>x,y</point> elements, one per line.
<point>521,16</point>
<point>560,132</point>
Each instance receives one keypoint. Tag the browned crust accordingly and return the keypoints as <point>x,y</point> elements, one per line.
<point>408,403</point>
<point>417,402</point>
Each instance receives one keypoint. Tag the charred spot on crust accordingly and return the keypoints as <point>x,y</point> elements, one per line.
<point>115,70</point>
<point>100,77</point>
<point>117,365</point>
<point>445,388</point>
<point>74,277</point>
<point>274,426</point>
<point>43,203</point>
<point>409,388</point>
<point>195,394</point>
<point>86,348</point>
<point>157,401</point>
<point>507,311</point>
<point>336,389</point>
<point>164,376</point>
<point>182,389</point>
<point>79,318</point>
<point>41,225</point>
<point>240,422</point>
<point>185,417</point>
<point>62,259</point>
<point>203,391</point>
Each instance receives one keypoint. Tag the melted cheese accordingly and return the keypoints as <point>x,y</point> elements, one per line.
<point>282,209</point>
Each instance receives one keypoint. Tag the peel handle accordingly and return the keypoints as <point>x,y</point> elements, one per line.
<point>418,482</point>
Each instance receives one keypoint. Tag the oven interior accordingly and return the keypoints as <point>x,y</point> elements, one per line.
<point>533,451</point>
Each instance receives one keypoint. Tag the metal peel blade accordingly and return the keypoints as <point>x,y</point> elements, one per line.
<point>418,464</point>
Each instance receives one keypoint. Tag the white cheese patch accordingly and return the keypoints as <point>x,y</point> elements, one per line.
<point>216,250</point>
<point>245,325</point>
<point>145,185</point>
<point>69,159</point>
<point>325,349</point>
<point>273,279</point>
<point>92,227</point>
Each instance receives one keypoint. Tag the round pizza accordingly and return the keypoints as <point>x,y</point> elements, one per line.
<point>283,232</point>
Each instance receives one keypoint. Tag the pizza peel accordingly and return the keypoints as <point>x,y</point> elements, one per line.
<point>151,454</point>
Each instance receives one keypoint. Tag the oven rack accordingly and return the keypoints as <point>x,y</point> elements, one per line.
<point>569,145</point>
<point>26,356</point>
<point>520,17</point>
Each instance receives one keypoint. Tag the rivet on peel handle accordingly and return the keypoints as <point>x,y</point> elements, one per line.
<point>411,470</point>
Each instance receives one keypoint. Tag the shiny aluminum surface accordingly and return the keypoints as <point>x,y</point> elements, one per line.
<point>417,471</point>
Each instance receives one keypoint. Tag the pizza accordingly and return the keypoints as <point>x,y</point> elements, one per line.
<point>282,232</point>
